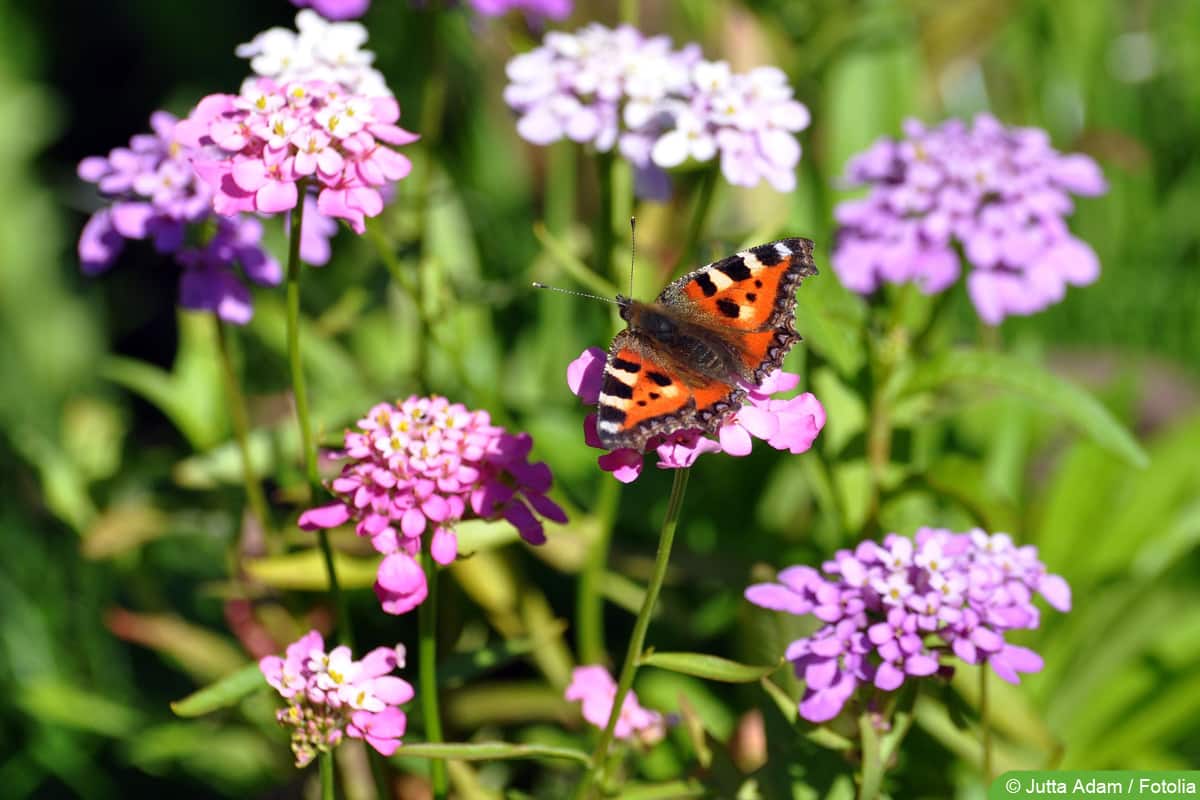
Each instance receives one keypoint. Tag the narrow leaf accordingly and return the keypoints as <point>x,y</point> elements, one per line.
<point>713,668</point>
<point>491,751</point>
<point>1056,394</point>
<point>222,694</point>
<point>462,667</point>
<point>305,571</point>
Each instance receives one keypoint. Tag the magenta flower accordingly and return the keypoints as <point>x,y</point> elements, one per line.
<point>895,611</point>
<point>154,195</point>
<point>330,695</point>
<point>660,107</point>
<point>786,424</point>
<point>1000,195</point>
<point>551,9</point>
<point>418,468</point>
<point>336,9</point>
<point>256,147</point>
<point>596,690</point>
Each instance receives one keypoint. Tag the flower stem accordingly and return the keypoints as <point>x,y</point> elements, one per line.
<point>427,654</point>
<point>638,640</point>
<point>589,605</point>
<point>300,392</point>
<point>241,429</point>
<point>629,12</point>
<point>704,198</point>
<point>327,787</point>
<point>602,233</point>
<point>985,727</point>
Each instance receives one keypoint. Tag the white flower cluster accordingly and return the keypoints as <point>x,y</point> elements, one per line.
<point>317,50</point>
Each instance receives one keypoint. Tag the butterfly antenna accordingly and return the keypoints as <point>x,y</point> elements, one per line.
<point>632,250</point>
<point>540,285</point>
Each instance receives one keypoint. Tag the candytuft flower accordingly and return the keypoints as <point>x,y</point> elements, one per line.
<point>319,50</point>
<point>660,107</point>
<point>898,611</point>
<point>1000,194</point>
<point>551,9</point>
<point>153,194</point>
<point>596,690</point>
<point>790,424</point>
<point>255,149</point>
<point>330,696</point>
<point>417,468</point>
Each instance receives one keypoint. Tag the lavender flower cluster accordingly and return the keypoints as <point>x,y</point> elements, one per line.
<point>595,690</point>
<point>152,193</point>
<point>1000,193</point>
<point>421,466</point>
<point>331,696</point>
<point>660,107</point>
<point>893,611</point>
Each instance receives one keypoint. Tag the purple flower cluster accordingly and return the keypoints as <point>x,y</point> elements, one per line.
<point>1000,193</point>
<point>330,695</point>
<point>790,424</point>
<point>660,107</point>
<point>336,9</point>
<point>552,9</point>
<point>891,611</point>
<point>153,194</point>
<point>594,688</point>
<point>421,466</point>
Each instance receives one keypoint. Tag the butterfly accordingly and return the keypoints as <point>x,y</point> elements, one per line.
<point>684,360</point>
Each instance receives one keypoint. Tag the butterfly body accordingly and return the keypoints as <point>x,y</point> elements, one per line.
<point>685,360</point>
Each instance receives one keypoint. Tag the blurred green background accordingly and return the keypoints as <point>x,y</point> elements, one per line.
<point>119,492</point>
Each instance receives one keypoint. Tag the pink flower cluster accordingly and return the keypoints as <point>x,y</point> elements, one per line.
<point>790,424</point>
<point>330,695</point>
<point>421,466</point>
<point>596,690</point>
<point>893,611</point>
<point>260,146</point>
<point>999,195</point>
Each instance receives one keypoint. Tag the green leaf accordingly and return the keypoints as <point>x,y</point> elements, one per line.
<point>52,701</point>
<point>305,571</point>
<point>462,667</point>
<point>222,694</point>
<point>1056,394</point>
<point>713,668</point>
<point>491,751</point>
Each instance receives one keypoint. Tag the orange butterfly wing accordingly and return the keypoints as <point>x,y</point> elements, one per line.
<point>750,298</point>
<point>643,395</point>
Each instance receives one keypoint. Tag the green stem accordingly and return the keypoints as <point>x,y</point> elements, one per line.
<point>589,606</point>
<point>241,429</point>
<point>327,787</point>
<point>629,12</point>
<point>704,198</point>
<point>427,655</point>
<point>985,726</point>
<point>638,640</point>
<point>602,232</point>
<point>871,777</point>
<point>300,392</point>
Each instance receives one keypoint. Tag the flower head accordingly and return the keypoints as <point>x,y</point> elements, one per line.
<point>790,424</point>
<point>551,9</point>
<point>417,468</point>
<point>1000,194</point>
<point>153,194</point>
<point>319,50</point>
<point>895,610</point>
<point>659,106</point>
<point>330,695</point>
<point>254,149</point>
<point>596,690</point>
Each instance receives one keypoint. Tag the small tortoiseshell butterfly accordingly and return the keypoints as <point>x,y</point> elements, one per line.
<point>684,358</point>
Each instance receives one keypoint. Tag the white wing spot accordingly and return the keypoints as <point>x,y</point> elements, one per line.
<point>783,249</point>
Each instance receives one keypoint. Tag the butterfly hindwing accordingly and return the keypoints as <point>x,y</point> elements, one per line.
<point>644,395</point>
<point>750,297</point>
